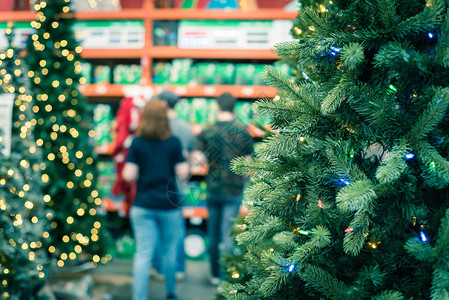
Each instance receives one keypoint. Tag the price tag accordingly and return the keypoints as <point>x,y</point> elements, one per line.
<point>247,91</point>
<point>101,89</point>
<point>209,90</point>
<point>180,90</point>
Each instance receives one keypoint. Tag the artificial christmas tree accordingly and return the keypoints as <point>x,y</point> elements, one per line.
<point>352,186</point>
<point>23,222</point>
<point>63,133</point>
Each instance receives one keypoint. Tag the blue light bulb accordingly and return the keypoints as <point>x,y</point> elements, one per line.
<point>335,49</point>
<point>345,181</point>
<point>305,75</point>
<point>423,236</point>
<point>291,268</point>
<point>430,34</point>
<point>409,156</point>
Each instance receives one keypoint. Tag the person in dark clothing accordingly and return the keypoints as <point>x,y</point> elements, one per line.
<point>154,159</point>
<point>217,145</point>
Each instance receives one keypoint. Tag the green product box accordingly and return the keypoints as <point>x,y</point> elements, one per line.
<point>136,71</point>
<point>224,73</point>
<point>204,73</point>
<point>258,71</point>
<point>244,113</point>
<point>181,71</point>
<point>103,124</point>
<point>86,71</point>
<point>244,74</point>
<point>248,74</point>
<point>212,114</point>
<point>127,74</point>
<point>102,74</point>
<point>182,109</point>
<point>199,111</point>
<point>106,177</point>
<point>161,73</point>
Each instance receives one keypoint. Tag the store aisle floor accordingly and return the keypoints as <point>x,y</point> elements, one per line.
<point>113,282</point>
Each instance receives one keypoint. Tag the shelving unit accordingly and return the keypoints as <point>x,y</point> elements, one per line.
<point>239,91</point>
<point>149,53</point>
<point>148,14</point>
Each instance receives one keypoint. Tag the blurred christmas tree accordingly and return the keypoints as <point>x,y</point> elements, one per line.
<point>352,187</point>
<point>23,222</point>
<point>69,171</point>
<point>304,27</point>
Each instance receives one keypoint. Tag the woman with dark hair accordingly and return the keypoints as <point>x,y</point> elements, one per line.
<point>154,159</point>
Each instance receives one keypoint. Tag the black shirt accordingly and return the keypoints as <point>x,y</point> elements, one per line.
<point>156,185</point>
<point>221,143</point>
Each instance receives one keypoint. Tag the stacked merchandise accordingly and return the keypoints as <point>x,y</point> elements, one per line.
<point>185,72</point>
<point>127,74</point>
<point>102,74</point>
<point>119,74</point>
<point>106,178</point>
<point>103,123</point>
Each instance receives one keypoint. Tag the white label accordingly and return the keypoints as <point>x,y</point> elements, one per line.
<point>6,105</point>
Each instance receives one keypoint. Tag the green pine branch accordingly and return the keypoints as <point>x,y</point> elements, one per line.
<point>352,55</point>
<point>440,282</point>
<point>436,166</point>
<point>325,282</point>
<point>425,21</point>
<point>389,295</point>
<point>354,240</point>
<point>393,165</point>
<point>432,116</point>
<point>261,232</point>
<point>358,195</point>
<point>288,88</point>
<point>387,10</point>
<point>335,97</point>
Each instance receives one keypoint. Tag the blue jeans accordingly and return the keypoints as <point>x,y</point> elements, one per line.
<point>153,228</point>
<point>222,212</point>
<point>180,254</point>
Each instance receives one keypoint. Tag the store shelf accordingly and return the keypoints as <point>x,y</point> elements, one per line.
<point>206,91</point>
<point>191,14</point>
<point>112,53</point>
<point>16,16</point>
<point>195,212</point>
<point>125,14</point>
<point>213,91</point>
<point>102,90</point>
<point>164,14</point>
<point>175,52</point>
